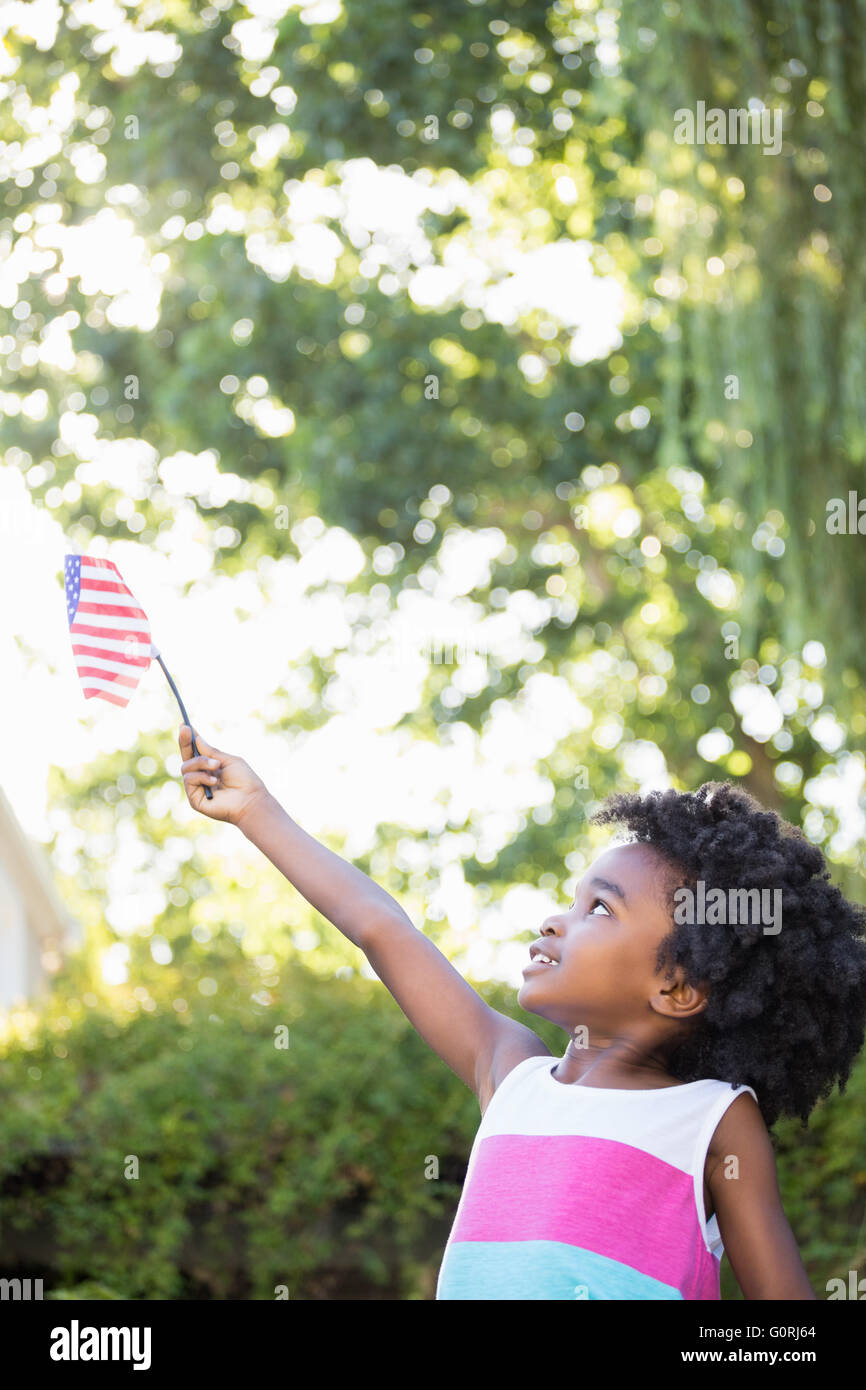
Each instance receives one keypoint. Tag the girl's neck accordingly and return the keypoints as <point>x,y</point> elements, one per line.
<point>609,1067</point>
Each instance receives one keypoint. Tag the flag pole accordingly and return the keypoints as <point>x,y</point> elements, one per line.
<point>154,651</point>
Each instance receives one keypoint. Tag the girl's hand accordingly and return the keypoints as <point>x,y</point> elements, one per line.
<point>235,786</point>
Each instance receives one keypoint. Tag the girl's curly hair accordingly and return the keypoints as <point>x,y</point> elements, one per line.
<point>786,1012</point>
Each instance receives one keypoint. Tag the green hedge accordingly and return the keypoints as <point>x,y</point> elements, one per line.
<point>259,1167</point>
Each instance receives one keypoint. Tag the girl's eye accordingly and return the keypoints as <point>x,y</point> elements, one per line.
<point>599,902</point>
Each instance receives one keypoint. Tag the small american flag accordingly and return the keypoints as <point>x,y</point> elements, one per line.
<point>110,632</point>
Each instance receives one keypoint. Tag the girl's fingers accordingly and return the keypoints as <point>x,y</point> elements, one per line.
<point>203,745</point>
<point>195,764</point>
<point>200,779</point>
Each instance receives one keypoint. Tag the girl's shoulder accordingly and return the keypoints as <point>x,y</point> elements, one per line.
<point>505,1065</point>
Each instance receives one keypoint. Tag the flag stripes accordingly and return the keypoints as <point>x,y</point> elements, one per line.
<point>110,632</point>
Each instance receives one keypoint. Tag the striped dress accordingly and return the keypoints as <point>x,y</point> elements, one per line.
<point>574,1192</point>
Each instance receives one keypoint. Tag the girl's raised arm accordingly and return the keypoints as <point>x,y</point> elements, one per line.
<point>448,1013</point>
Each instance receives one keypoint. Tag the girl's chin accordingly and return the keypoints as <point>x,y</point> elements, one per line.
<point>527,990</point>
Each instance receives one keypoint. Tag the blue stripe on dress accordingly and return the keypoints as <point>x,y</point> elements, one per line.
<point>541,1269</point>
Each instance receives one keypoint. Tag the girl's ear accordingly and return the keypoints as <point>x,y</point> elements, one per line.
<point>680,999</point>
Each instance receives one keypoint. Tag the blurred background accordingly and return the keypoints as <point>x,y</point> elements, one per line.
<point>477,446</point>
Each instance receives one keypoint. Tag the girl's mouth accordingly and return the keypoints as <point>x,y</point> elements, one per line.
<point>539,962</point>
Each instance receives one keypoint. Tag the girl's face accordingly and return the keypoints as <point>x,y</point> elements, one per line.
<point>604,947</point>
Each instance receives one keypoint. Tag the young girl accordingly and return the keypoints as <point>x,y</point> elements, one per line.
<point>625,1168</point>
